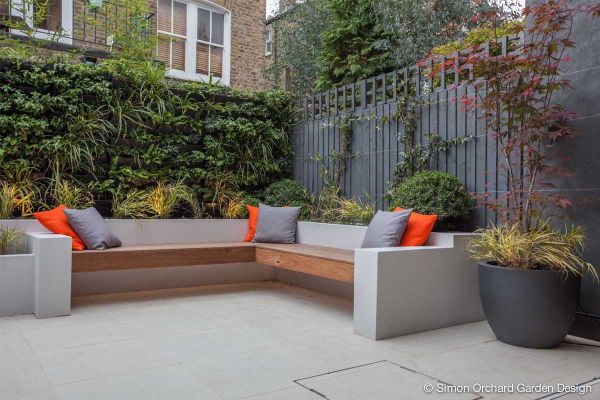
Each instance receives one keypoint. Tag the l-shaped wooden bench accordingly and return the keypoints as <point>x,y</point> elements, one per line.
<point>325,262</point>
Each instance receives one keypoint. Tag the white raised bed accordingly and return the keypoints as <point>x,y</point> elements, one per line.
<point>38,282</point>
<point>396,291</point>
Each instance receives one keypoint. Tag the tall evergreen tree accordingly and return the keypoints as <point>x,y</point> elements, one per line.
<point>356,45</point>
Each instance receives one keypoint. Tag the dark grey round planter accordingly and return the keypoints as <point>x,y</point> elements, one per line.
<point>528,308</point>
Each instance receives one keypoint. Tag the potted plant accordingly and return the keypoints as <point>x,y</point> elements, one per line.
<point>529,281</point>
<point>529,271</point>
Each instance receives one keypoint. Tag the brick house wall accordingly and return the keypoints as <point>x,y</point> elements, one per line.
<point>248,58</point>
<point>247,42</point>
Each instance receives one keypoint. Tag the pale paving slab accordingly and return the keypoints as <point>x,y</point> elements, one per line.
<point>163,383</point>
<point>250,373</point>
<point>99,360</point>
<point>248,341</point>
<point>497,363</point>
<point>381,381</point>
<point>440,340</point>
<point>295,393</point>
<point>82,335</point>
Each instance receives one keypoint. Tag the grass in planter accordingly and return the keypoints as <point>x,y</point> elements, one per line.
<point>236,208</point>
<point>18,192</point>
<point>542,247</point>
<point>132,204</point>
<point>69,194</point>
<point>164,198</point>
<point>15,201</point>
<point>331,207</point>
<point>10,239</point>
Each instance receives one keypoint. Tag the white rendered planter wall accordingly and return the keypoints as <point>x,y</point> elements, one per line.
<point>16,284</point>
<point>404,290</point>
<point>38,282</point>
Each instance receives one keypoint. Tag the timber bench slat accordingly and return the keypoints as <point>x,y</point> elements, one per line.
<point>308,264</point>
<point>156,256</point>
<point>326,262</point>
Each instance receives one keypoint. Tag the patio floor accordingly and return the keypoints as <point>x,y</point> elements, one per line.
<point>263,342</point>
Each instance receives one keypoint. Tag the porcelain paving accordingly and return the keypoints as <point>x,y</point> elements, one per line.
<point>257,341</point>
<point>381,381</point>
<point>164,383</point>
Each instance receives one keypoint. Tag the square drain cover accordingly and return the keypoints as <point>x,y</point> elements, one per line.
<point>381,380</point>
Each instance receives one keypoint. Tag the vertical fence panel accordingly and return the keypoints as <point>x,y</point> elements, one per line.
<point>376,134</point>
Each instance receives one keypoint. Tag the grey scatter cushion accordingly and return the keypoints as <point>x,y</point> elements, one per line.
<point>276,224</point>
<point>92,229</point>
<point>386,229</point>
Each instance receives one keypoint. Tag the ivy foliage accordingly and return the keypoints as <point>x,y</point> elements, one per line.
<point>356,45</point>
<point>122,125</point>
<point>297,44</point>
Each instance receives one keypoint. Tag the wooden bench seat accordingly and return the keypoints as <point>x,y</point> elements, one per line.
<point>326,262</point>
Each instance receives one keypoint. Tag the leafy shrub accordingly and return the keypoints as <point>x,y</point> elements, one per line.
<point>289,193</point>
<point>434,192</point>
<point>542,247</point>
<point>479,36</point>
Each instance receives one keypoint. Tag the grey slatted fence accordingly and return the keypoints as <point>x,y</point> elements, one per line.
<point>376,136</point>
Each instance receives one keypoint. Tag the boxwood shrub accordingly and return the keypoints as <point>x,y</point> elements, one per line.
<point>287,192</point>
<point>434,192</point>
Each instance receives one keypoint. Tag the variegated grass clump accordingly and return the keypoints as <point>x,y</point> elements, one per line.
<point>161,201</point>
<point>541,247</point>
<point>164,198</point>
<point>10,240</point>
<point>69,194</point>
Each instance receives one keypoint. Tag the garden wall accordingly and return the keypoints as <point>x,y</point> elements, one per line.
<point>581,157</point>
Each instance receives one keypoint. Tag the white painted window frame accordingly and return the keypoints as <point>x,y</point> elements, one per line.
<point>269,40</point>
<point>66,9</point>
<point>192,39</point>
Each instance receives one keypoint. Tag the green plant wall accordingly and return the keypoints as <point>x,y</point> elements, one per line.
<point>122,125</point>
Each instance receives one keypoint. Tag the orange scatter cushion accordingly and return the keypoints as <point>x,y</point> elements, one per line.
<point>56,221</point>
<point>418,228</point>
<point>252,222</point>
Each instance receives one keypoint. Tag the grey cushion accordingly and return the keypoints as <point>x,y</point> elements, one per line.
<point>92,229</point>
<point>386,229</point>
<point>276,224</point>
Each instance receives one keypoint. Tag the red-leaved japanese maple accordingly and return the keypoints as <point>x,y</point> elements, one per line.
<point>515,95</point>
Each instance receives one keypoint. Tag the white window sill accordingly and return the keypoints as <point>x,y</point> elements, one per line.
<point>177,74</point>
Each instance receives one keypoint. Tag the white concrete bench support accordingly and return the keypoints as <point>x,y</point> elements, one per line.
<point>399,291</point>
<point>52,274</point>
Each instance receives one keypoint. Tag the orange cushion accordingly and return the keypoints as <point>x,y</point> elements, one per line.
<point>418,228</point>
<point>252,222</point>
<point>56,221</point>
